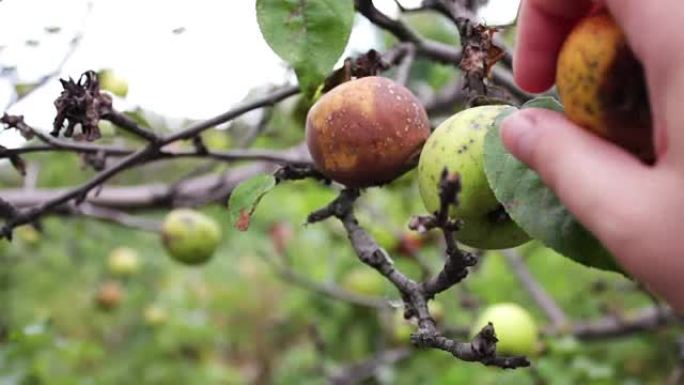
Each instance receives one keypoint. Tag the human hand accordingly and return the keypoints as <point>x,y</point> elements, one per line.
<point>637,211</point>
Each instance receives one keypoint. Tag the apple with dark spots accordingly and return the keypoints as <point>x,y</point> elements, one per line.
<point>190,237</point>
<point>602,85</point>
<point>366,132</point>
<point>458,145</point>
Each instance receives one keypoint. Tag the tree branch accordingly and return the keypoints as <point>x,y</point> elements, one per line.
<point>647,319</point>
<point>117,217</point>
<point>233,113</point>
<point>481,349</point>
<point>358,372</point>
<point>290,276</point>
<point>434,50</point>
<point>198,190</point>
<point>148,153</point>
<point>130,125</point>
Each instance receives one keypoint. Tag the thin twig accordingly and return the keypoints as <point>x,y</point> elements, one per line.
<point>289,275</point>
<point>357,373</point>
<point>117,217</point>
<point>130,125</point>
<point>559,320</point>
<point>265,101</point>
<point>404,68</point>
<point>646,319</point>
<point>434,50</point>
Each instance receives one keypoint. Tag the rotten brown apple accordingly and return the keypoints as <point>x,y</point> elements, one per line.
<point>366,132</point>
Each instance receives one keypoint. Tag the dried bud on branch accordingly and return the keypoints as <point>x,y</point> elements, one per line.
<point>480,54</point>
<point>81,103</point>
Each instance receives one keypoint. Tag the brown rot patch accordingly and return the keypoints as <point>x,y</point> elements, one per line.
<point>602,85</point>
<point>624,100</point>
<point>242,223</point>
<point>366,132</point>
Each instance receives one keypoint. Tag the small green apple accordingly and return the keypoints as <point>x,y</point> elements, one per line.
<point>401,328</point>
<point>155,315</point>
<point>384,237</point>
<point>189,236</point>
<point>107,128</point>
<point>458,145</point>
<point>123,262</point>
<point>436,310</point>
<point>217,139</point>
<point>514,326</point>
<point>27,234</point>
<point>364,281</point>
<point>112,82</point>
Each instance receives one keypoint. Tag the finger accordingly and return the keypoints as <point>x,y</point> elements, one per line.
<point>632,209</point>
<point>543,26</point>
<point>597,181</point>
<point>650,27</point>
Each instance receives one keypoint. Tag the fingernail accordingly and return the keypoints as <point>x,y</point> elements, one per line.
<point>519,134</point>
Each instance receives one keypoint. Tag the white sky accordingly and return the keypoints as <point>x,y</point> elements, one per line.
<point>195,74</point>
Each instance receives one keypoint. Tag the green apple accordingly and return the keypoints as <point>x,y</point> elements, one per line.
<point>514,326</point>
<point>458,145</point>
<point>436,310</point>
<point>384,237</point>
<point>155,315</point>
<point>189,236</point>
<point>401,328</point>
<point>364,281</point>
<point>123,262</point>
<point>217,139</point>
<point>112,82</point>
<point>107,128</point>
<point>27,234</point>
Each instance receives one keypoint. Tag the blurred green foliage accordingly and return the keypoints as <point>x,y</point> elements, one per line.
<point>233,321</point>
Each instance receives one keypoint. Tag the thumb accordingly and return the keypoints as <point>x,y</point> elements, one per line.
<point>596,180</point>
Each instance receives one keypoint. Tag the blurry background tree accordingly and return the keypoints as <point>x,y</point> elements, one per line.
<point>89,294</point>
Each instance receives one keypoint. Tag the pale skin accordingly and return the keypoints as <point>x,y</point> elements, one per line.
<point>637,211</point>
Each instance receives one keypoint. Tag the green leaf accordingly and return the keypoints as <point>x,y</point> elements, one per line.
<point>308,34</point>
<point>245,198</point>
<point>534,207</point>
